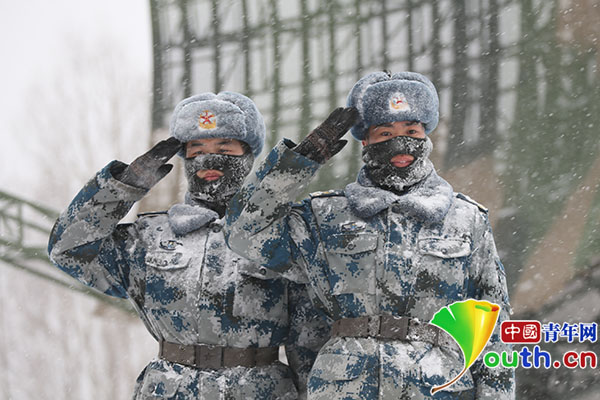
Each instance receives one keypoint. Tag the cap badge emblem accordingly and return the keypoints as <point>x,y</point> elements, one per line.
<point>398,103</point>
<point>207,120</point>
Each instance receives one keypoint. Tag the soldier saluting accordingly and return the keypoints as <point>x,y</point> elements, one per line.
<point>384,254</point>
<point>218,317</point>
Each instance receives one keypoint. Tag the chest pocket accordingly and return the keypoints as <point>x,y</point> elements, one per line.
<point>351,258</point>
<point>259,295</point>
<point>157,384</point>
<point>442,267</point>
<point>168,281</point>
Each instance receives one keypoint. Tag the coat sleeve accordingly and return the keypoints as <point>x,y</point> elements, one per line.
<point>87,242</point>
<point>309,330</point>
<point>261,223</point>
<point>490,285</point>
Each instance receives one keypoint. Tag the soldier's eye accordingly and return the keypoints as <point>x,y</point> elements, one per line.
<point>196,153</point>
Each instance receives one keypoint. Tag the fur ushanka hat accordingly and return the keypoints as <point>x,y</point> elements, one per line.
<point>224,115</point>
<point>381,97</point>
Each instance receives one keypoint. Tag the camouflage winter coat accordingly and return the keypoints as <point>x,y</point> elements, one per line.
<point>367,252</point>
<point>188,289</point>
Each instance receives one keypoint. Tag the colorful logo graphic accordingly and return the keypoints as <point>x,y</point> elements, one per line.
<point>470,323</point>
<point>207,120</point>
<point>398,103</point>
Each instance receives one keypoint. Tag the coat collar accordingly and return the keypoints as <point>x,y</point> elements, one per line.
<point>186,218</point>
<point>428,200</point>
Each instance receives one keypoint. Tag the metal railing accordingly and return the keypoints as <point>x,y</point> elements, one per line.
<point>24,230</point>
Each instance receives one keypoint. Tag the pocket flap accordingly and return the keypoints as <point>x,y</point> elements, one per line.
<point>167,260</point>
<point>338,367</point>
<point>349,243</point>
<point>159,385</point>
<point>445,248</point>
<point>256,271</point>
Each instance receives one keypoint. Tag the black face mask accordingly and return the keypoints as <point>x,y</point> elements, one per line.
<point>216,194</point>
<point>381,171</point>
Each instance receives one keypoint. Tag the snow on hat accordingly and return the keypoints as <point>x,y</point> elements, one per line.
<point>381,98</point>
<point>224,115</point>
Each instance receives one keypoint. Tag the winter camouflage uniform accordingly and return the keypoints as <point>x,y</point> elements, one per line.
<point>188,289</point>
<point>367,252</point>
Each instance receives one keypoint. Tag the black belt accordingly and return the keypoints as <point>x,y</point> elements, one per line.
<point>389,327</point>
<point>216,357</point>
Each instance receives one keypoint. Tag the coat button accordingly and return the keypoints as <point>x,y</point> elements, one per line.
<point>351,246</point>
<point>396,209</point>
<point>262,270</point>
<point>215,228</point>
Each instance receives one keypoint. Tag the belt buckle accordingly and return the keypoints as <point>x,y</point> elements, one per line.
<point>265,356</point>
<point>176,352</point>
<point>394,328</point>
<point>209,357</point>
<point>357,327</point>
<point>242,357</point>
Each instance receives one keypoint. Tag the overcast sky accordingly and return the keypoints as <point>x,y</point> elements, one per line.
<point>34,36</point>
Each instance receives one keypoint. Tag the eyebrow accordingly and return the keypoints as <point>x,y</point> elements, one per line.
<point>386,125</point>
<point>224,141</point>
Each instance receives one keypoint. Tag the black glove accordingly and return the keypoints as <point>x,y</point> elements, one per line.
<point>324,141</point>
<point>149,168</point>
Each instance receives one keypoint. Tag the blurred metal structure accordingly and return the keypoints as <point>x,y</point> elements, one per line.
<point>580,383</point>
<point>24,230</point>
<point>298,59</point>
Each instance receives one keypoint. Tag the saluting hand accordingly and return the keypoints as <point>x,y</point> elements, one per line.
<point>149,168</point>
<point>325,140</point>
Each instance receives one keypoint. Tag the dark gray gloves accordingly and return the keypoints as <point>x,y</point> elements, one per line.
<point>324,141</point>
<point>149,168</point>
